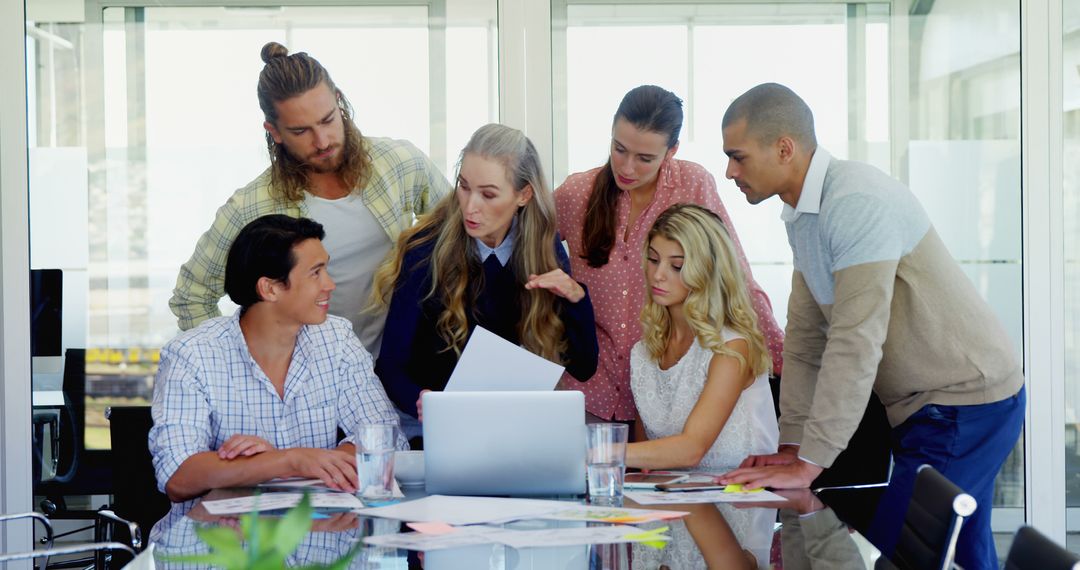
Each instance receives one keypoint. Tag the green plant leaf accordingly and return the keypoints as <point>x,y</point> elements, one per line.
<point>212,559</point>
<point>293,527</point>
<point>225,543</point>
<point>249,524</point>
<point>344,561</point>
<point>341,563</point>
<point>268,560</point>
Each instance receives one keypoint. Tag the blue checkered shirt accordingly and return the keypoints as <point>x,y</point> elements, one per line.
<point>209,388</point>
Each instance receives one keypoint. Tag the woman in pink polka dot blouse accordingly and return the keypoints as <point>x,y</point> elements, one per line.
<point>604,214</point>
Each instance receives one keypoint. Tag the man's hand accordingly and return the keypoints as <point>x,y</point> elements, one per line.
<point>241,445</point>
<point>796,475</point>
<point>785,454</point>
<point>337,522</point>
<point>336,469</point>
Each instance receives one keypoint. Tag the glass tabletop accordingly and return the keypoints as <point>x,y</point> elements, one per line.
<point>802,532</point>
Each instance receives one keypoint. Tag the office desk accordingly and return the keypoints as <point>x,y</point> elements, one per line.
<point>810,535</point>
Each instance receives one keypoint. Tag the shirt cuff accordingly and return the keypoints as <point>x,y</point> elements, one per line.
<point>810,462</point>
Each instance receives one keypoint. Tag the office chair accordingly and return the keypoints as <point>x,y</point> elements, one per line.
<point>1032,550</point>
<point>932,524</point>
<point>101,549</point>
<point>135,495</point>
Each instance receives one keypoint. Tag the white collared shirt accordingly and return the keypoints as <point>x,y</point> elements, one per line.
<point>503,250</point>
<point>810,197</point>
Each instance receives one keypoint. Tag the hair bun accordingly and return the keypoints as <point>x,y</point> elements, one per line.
<point>272,50</point>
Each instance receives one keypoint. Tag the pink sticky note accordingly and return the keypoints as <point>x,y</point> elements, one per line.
<point>431,527</point>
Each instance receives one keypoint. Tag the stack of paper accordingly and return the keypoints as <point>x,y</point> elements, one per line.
<point>465,510</point>
<point>275,501</point>
<point>718,496</point>
<point>612,515</point>
<point>473,535</point>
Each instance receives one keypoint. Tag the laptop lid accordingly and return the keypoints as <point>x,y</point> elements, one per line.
<point>504,443</point>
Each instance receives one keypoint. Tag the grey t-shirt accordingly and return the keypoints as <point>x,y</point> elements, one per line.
<point>356,244</point>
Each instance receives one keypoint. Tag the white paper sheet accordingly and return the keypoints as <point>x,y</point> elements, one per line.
<point>300,483</point>
<point>662,498</point>
<point>465,510</point>
<point>468,536</point>
<point>297,482</point>
<point>616,515</point>
<point>575,536</point>
<point>490,362</point>
<point>274,501</point>
<point>463,536</point>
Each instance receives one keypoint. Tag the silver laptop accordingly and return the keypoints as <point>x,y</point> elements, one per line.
<point>504,443</point>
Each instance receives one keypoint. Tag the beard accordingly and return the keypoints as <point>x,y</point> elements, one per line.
<point>289,174</point>
<point>332,165</point>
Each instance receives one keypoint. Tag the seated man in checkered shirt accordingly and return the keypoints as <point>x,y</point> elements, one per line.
<point>259,395</point>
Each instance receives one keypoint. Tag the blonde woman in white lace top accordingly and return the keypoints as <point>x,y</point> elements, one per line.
<point>699,375</point>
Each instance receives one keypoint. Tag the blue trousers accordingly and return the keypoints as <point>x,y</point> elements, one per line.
<point>967,444</point>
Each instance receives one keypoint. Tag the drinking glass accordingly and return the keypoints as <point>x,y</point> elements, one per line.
<point>375,446</point>
<point>606,463</point>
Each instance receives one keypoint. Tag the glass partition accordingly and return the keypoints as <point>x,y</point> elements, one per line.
<point>927,91</point>
<point>144,120</point>
<point>1070,158</point>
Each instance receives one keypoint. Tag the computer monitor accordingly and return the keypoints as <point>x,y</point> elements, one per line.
<point>46,312</point>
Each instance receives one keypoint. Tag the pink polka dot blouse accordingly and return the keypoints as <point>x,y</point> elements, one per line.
<point>618,288</point>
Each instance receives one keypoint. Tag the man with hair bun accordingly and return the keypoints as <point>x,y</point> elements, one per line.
<point>363,190</point>
<point>877,305</point>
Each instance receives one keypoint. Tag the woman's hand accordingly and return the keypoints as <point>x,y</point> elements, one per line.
<point>241,445</point>
<point>420,406</point>
<point>559,283</point>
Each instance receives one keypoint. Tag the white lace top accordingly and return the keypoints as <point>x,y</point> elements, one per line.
<point>665,398</point>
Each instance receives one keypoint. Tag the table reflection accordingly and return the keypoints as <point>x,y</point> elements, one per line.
<point>810,535</point>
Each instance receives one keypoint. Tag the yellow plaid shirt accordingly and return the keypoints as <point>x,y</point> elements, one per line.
<point>403,182</point>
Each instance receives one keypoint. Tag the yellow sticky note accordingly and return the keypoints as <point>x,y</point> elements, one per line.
<point>734,488</point>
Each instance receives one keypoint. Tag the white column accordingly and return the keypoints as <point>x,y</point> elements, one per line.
<point>1044,320</point>
<point>15,457</point>
<point>525,72</point>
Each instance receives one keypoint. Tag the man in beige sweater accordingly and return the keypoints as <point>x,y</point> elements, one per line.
<point>877,304</point>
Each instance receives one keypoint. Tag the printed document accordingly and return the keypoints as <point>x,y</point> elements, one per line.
<point>491,363</point>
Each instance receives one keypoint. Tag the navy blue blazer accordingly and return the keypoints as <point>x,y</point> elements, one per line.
<point>414,357</point>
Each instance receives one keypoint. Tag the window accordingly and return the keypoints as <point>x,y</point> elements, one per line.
<point>931,97</point>
<point>145,120</point>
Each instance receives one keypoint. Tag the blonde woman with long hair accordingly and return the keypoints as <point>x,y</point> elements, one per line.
<point>699,375</point>
<point>487,255</point>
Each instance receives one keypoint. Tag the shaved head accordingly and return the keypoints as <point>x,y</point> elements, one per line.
<point>771,111</point>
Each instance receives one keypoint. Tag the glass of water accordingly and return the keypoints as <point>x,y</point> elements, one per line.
<point>375,446</point>
<point>606,463</point>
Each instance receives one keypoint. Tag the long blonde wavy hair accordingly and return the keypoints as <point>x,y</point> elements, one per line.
<point>456,271</point>
<point>717,296</point>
